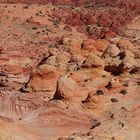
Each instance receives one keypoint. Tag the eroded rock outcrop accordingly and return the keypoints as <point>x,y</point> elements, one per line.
<point>68,90</point>
<point>65,70</point>
<point>119,59</point>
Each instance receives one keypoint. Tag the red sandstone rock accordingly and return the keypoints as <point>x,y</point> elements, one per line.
<point>99,45</point>
<point>63,72</point>
<point>94,61</point>
<point>44,79</point>
<point>125,45</point>
<point>68,90</point>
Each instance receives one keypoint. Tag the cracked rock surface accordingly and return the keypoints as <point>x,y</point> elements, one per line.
<point>70,70</point>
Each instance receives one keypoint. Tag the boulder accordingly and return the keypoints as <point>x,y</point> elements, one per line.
<point>77,59</point>
<point>129,62</point>
<point>63,57</point>
<point>44,79</point>
<point>99,44</point>
<point>111,51</point>
<point>118,60</point>
<point>93,61</point>
<point>68,89</point>
<point>124,44</point>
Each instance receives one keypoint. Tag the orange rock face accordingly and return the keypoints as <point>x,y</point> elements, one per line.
<point>44,80</point>
<point>67,89</point>
<point>70,70</point>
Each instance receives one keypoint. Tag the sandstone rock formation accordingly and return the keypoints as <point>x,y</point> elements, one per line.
<point>69,70</point>
<point>67,89</point>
